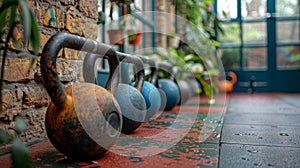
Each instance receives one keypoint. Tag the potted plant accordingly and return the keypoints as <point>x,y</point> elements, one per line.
<point>116,36</point>
<point>116,28</point>
<point>178,57</point>
<point>134,36</point>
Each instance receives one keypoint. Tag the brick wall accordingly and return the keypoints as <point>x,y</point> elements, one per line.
<point>23,93</point>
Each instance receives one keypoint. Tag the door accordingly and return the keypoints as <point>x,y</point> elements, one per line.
<point>261,43</point>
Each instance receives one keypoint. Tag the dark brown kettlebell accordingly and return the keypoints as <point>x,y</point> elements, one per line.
<point>83,120</point>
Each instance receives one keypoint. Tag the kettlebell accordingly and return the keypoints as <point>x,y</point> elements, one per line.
<point>150,93</point>
<point>226,85</point>
<point>83,120</point>
<point>194,83</point>
<point>184,88</point>
<point>130,98</point>
<point>92,73</point>
<point>169,87</point>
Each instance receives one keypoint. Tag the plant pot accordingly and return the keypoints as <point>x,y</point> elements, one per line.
<point>173,41</point>
<point>136,40</point>
<point>116,37</point>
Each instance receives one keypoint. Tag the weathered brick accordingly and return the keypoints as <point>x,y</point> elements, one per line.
<point>69,54</point>
<point>9,98</point>
<point>35,124</point>
<point>68,70</point>
<point>90,30</point>
<point>89,8</point>
<point>35,96</point>
<point>19,69</point>
<point>42,14</point>
<point>74,24</point>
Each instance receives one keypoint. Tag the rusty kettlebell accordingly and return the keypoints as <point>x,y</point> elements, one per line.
<point>83,120</point>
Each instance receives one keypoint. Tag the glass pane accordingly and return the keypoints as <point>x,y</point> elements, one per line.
<point>254,32</point>
<point>287,7</point>
<point>232,33</point>
<point>230,57</point>
<point>252,9</point>
<point>288,31</point>
<point>288,57</point>
<point>255,57</point>
<point>227,7</point>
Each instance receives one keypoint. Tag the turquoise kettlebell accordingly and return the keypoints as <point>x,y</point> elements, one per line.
<point>150,93</point>
<point>130,98</point>
<point>169,87</point>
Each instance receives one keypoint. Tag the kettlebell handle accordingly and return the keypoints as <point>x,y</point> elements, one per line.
<point>139,73</point>
<point>153,68</point>
<point>61,40</point>
<point>168,67</point>
<point>175,70</point>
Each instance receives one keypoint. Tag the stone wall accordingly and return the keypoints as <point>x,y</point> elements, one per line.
<point>23,93</point>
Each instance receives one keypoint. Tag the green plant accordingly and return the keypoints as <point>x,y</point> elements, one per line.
<point>178,57</point>
<point>10,17</point>
<point>101,18</point>
<point>172,35</point>
<point>199,13</point>
<point>19,153</point>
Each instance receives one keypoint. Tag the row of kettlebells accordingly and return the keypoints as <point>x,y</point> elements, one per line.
<point>84,120</point>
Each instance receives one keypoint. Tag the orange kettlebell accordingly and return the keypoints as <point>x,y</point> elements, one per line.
<point>226,85</point>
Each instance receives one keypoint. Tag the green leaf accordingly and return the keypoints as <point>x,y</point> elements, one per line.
<point>20,124</point>
<point>12,16</point>
<point>2,21</point>
<point>26,19</point>
<point>4,136</point>
<point>34,35</point>
<point>206,88</point>
<point>19,154</point>
<point>192,57</point>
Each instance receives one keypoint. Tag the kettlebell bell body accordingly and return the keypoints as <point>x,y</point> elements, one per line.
<point>150,92</point>
<point>83,120</point>
<point>152,98</point>
<point>130,98</point>
<point>185,91</point>
<point>171,90</point>
<point>169,87</point>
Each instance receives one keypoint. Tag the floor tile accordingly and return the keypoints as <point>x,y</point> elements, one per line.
<point>263,119</point>
<point>261,135</point>
<point>237,156</point>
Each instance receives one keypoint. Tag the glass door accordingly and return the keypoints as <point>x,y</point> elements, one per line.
<point>257,35</point>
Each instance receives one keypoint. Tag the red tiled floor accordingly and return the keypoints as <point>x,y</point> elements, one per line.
<point>186,136</point>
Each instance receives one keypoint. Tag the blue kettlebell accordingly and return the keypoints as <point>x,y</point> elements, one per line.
<point>169,87</point>
<point>130,98</point>
<point>150,93</point>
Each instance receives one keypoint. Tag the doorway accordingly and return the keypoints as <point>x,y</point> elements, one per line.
<point>261,43</point>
